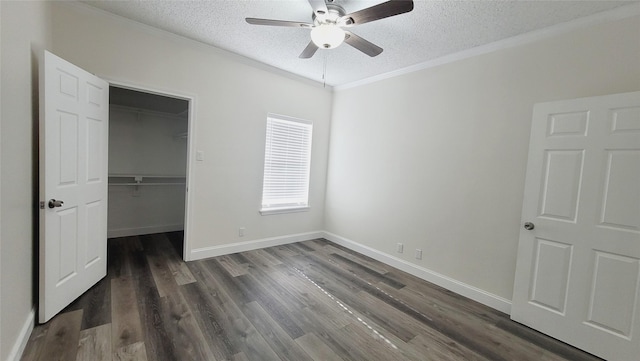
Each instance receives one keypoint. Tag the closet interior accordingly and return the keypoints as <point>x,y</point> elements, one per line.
<point>147,163</point>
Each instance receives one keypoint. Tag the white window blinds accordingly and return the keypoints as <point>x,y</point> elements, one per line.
<point>287,160</point>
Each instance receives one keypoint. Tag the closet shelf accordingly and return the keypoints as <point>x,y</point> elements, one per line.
<point>146,176</point>
<point>146,180</point>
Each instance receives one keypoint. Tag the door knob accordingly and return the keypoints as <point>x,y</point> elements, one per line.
<point>53,203</point>
<point>529,226</point>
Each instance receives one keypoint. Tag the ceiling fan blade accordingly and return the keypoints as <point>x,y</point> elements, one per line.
<point>270,22</point>
<point>319,7</point>
<point>377,12</point>
<point>361,44</point>
<point>308,51</point>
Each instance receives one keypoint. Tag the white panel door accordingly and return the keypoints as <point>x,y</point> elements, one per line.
<point>74,116</point>
<point>578,270</point>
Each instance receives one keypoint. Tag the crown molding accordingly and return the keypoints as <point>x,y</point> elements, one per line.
<point>526,38</point>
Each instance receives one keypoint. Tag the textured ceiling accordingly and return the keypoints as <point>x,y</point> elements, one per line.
<point>432,30</point>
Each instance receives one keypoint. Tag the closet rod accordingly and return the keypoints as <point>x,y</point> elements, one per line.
<point>147,184</point>
<point>144,176</point>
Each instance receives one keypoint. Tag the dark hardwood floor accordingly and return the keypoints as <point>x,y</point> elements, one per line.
<point>312,300</point>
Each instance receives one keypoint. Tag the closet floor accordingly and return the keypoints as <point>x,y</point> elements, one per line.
<point>311,300</point>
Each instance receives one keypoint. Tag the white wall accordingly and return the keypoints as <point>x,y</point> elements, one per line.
<point>232,100</point>
<point>25,33</point>
<point>436,159</point>
<point>1,354</point>
<point>145,144</point>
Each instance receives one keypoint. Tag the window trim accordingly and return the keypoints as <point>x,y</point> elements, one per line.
<point>270,211</point>
<point>291,208</point>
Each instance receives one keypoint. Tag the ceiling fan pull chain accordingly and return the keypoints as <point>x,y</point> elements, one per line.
<point>324,72</point>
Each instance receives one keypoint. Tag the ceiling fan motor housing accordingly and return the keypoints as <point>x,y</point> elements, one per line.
<point>326,32</point>
<point>334,13</point>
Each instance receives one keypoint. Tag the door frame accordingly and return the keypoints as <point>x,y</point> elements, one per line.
<point>191,99</point>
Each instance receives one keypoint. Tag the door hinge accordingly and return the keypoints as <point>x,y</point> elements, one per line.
<point>41,204</point>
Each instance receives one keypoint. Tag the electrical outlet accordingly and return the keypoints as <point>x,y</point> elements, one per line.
<point>400,248</point>
<point>418,254</point>
<point>241,231</point>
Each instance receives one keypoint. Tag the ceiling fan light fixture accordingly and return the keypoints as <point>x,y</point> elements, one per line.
<point>327,36</point>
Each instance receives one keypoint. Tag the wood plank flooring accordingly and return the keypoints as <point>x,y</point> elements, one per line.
<point>312,300</point>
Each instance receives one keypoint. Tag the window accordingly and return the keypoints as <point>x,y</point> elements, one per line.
<point>287,160</point>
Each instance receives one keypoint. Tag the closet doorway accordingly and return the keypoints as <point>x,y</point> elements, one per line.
<point>148,163</point>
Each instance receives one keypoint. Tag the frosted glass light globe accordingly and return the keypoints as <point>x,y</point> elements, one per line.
<point>327,36</point>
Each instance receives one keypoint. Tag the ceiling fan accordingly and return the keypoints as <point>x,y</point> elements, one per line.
<point>330,21</point>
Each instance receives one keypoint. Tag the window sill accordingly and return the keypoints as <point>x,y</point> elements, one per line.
<point>267,212</point>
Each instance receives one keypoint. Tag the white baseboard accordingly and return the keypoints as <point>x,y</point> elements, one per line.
<point>207,252</point>
<point>126,232</point>
<point>461,288</point>
<point>23,337</point>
